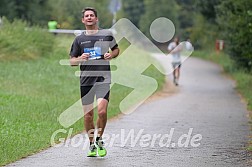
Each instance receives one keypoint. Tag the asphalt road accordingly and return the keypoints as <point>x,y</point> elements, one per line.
<point>204,124</point>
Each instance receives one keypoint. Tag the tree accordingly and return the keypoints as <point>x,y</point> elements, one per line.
<point>208,9</point>
<point>154,10</point>
<point>32,11</point>
<point>69,13</point>
<point>235,20</point>
<point>204,30</point>
<point>5,9</point>
<point>133,10</point>
<point>186,16</point>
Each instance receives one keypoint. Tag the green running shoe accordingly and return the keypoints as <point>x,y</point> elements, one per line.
<point>100,148</point>
<point>92,151</point>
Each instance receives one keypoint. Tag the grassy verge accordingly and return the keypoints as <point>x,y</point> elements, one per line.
<point>19,41</point>
<point>243,79</point>
<point>34,92</point>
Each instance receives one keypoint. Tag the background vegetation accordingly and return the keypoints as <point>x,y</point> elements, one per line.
<point>201,21</point>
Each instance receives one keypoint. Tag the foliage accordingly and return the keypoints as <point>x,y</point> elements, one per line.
<point>207,9</point>
<point>154,10</point>
<point>230,20</point>
<point>69,14</point>
<point>18,41</point>
<point>202,21</point>
<point>202,33</point>
<point>235,20</point>
<point>32,11</point>
<point>186,17</point>
<point>133,10</point>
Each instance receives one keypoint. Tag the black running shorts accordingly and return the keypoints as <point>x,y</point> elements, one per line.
<point>89,92</point>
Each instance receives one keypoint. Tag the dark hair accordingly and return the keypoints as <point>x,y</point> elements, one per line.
<point>87,9</point>
<point>177,42</point>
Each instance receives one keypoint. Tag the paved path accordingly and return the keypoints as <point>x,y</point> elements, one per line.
<point>206,106</point>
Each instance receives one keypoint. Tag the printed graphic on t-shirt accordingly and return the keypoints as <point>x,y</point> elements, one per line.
<point>95,53</point>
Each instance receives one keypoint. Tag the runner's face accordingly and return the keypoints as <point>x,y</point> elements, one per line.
<point>89,18</point>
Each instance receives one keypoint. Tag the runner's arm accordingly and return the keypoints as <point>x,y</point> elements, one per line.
<point>176,49</point>
<point>114,53</point>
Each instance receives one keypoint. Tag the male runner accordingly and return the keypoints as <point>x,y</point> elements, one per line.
<point>174,49</point>
<point>92,50</point>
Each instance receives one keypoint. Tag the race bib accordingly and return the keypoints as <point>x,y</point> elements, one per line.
<point>95,53</point>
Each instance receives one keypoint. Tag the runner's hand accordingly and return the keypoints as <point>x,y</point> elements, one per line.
<point>108,56</point>
<point>84,56</point>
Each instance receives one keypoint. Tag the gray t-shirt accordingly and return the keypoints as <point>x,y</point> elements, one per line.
<point>96,70</point>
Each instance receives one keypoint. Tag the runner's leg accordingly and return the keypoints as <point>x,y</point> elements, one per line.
<point>89,121</point>
<point>102,95</point>
<point>102,115</point>
<point>87,98</point>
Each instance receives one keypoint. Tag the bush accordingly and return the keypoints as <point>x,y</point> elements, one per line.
<point>235,20</point>
<point>19,41</point>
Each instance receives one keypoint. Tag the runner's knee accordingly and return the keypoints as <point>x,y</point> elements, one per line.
<point>102,113</point>
<point>88,116</point>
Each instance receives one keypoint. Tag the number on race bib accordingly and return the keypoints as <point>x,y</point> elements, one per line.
<point>95,53</point>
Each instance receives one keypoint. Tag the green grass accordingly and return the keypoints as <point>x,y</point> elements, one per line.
<point>19,41</point>
<point>244,82</point>
<point>34,92</point>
